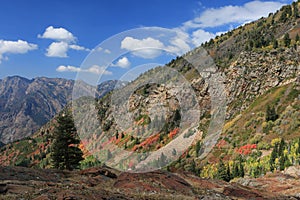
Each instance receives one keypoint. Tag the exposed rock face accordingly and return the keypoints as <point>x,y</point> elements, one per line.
<point>26,105</point>
<point>254,73</point>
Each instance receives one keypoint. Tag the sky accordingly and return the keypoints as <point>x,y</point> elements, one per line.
<point>59,38</point>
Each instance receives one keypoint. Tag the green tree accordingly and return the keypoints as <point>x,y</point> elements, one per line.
<point>228,173</point>
<point>273,158</point>
<point>281,147</point>
<point>275,44</point>
<point>296,11</point>
<point>65,153</point>
<point>241,170</point>
<point>197,148</point>
<point>222,172</point>
<point>287,40</point>
<point>271,114</point>
<point>235,172</point>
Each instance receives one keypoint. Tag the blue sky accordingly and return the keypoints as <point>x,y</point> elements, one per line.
<point>52,38</point>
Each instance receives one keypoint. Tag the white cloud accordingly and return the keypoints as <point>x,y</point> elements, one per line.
<point>15,47</point>
<point>58,49</point>
<point>68,68</point>
<point>64,40</point>
<point>179,43</point>
<point>60,34</point>
<point>200,36</point>
<point>123,63</point>
<point>99,49</point>
<point>98,70</point>
<point>78,48</point>
<point>145,48</point>
<point>150,48</point>
<point>95,69</point>
<point>250,11</point>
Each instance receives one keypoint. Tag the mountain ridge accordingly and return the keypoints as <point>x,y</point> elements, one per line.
<point>27,104</point>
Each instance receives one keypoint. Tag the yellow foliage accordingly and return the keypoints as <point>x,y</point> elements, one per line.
<point>275,141</point>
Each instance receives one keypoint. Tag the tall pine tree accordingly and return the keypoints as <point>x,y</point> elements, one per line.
<point>65,153</point>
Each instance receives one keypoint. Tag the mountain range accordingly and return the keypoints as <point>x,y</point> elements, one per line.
<point>26,105</point>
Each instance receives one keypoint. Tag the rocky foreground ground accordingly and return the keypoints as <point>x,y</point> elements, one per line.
<point>106,183</point>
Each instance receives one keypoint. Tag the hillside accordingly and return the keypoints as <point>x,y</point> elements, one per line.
<point>259,66</point>
<point>250,74</point>
<point>26,105</point>
<point>106,183</point>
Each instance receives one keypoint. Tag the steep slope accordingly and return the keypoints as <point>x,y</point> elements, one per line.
<point>260,65</point>
<point>26,105</point>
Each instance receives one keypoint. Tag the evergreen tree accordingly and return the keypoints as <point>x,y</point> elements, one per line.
<point>296,11</point>
<point>236,171</point>
<point>241,170</point>
<point>228,173</point>
<point>282,162</point>
<point>271,114</point>
<point>197,148</point>
<point>275,44</point>
<point>177,117</point>
<point>65,153</point>
<point>222,171</point>
<point>193,167</point>
<point>273,158</point>
<point>281,147</point>
<point>287,40</point>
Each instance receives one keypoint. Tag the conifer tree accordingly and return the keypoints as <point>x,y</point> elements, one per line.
<point>241,170</point>
<point>222,171</point>
<point>236,171</point>
<point>271,114</point>
<point>197,148</point>
<point>65,153</point>
<point>287,40</point>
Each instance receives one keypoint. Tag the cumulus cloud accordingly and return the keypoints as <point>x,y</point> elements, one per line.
<point>64,40</point>
<point>123,63</point>
<point>15,47</point>
<point>95,69</point>
<point>200,36</point>
<point>145,48</point>
<point>58,49</point>
<point>250,11</point>
<point>150,47</point>
<point>68,68</point>
<point>60,34</point>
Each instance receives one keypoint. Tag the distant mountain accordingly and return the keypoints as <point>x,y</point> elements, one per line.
<point>26,105</point>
